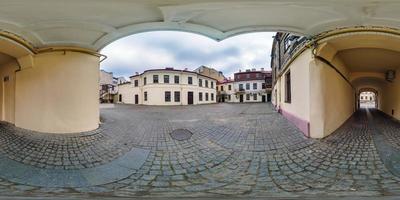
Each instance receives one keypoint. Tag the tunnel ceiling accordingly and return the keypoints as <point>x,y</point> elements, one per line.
<point>5,58</point>
<point>370,59</point>
<point>95,23</point>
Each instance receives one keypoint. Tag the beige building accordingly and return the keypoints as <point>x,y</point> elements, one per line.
<point>248,86</point>
<point>168,87</point>
<point>210,72</point>
<point>50,68</point>
<point>109,86</point>
<point>318,82</point>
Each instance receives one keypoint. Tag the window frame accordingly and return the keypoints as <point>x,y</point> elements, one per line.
<point>177,94</point>
<point>167,96</point>
<point>176,79</point>
<point>156,78</point>
<point>288,87</point>
<point>166,77</point>
<point>190,80</point>
<point>145,95</point>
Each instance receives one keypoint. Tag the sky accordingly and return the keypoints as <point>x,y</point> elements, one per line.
<point>180,50</point>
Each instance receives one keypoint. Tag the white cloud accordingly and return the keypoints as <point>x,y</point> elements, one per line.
<point>180,50</point>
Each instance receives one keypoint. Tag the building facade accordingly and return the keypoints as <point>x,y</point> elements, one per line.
<point>210,72</point>
<point>248,86</point>
<point>168,87</point>
<point>109,86</point>
<point>319,82</point>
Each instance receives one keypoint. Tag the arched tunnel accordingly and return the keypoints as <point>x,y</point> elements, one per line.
<point>329,74</point>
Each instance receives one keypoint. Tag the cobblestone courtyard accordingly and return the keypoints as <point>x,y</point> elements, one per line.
<point>243,150</point>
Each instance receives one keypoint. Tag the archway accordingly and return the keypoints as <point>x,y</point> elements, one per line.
<point>367,98</point>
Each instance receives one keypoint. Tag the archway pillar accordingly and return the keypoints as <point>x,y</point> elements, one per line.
<point>57,92</point>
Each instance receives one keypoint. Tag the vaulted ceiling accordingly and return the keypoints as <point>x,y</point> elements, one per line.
<point>95,23</point>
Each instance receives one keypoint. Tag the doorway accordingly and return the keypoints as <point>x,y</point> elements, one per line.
<point>136,99</point>
<point>190,98</point>
<point>268,97</point>
<point>241,98</point>
<point>263,98</point>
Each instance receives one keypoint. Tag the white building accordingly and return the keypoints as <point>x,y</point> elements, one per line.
<point>168,87</point>
<point>248,86</point>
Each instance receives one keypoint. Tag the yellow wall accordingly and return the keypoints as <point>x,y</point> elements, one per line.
<point>7,91</point>
<point>391,97</point>
<point>59,94</point>
<point>300,76</point>
<point>333,99</point>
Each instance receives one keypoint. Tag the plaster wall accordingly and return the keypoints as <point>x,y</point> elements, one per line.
<point>300,91</point>
<point>332,99</point>
<point>7,91</point>
<point>59,93</point>
<point>391,97</point>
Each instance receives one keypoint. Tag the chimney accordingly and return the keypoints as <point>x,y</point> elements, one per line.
<point>262,69</point>
<point>137,73</point>
<point>240,70</point>
<point>254,69</point>
<point>169,68</point>
<point>229,78</point>
<point>186,69</point>
<point>248,70</point>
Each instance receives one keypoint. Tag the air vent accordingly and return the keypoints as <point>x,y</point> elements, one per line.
<point>390,75</point>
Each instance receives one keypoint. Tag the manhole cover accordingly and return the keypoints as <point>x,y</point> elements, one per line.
<point>181,134</point>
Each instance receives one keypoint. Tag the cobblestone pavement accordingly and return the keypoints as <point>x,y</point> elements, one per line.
<point>243,150</point>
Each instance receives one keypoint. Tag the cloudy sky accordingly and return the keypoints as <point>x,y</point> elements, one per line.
<point>181,50</point>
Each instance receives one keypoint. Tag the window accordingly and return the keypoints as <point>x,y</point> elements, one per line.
<point>263,86</point>
<point>222,88</point>
<point>255,97</point>
<point>254,86</point>
<point>155,78</point>
<point>120,98</point>
<point>247,86</point>
<point>200,96</point>
<point>241,87</point>
<point>145,96</point>
<point>177,96</point>
<point>176,79</point>
<point>167,96</point>
<point>200,83</point>
<point>258,75</point>
<point>136,83</point>
<point>229,87</point>
<point>166,78</point>
<point>206,96</point>
<point>248,97</point>
<point>288,92</point>
<point>212,96</point>
<point>190,80</point>
<point>212,84</point>
<point>229,97</point>
<point>206,83</point>
<point>144,81</point>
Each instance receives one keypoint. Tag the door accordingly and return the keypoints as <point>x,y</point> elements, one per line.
<point>136,99</point>
<point>268,97</point>
<point>241,98</point>
<point>222,98</point>
<point>190,98</point>
<point>263,98</point>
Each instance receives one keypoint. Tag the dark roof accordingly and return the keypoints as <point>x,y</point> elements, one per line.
<point>174,70</point>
